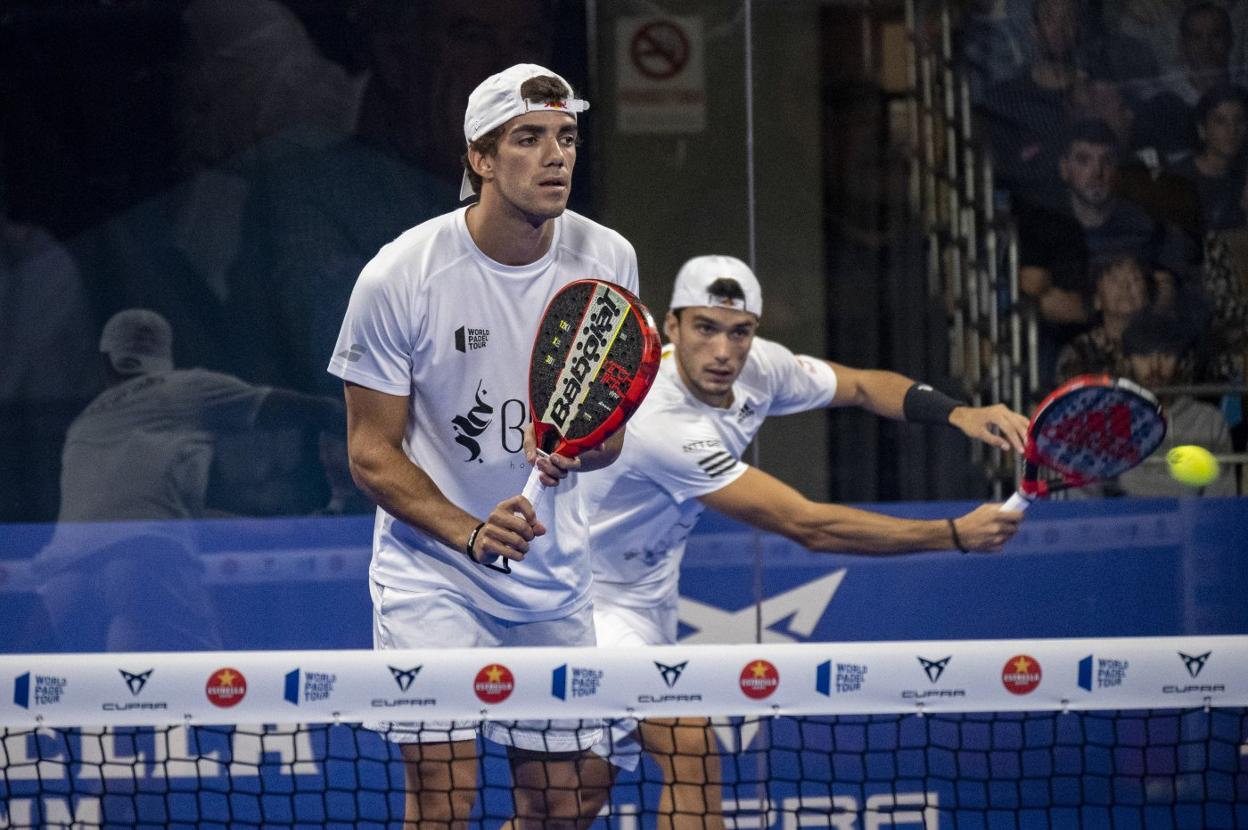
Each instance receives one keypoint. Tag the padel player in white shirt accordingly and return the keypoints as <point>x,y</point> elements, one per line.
<point>434,351</point>
<point>716,385</point>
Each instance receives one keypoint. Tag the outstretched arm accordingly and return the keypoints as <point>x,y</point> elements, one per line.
<point>884,393</point>
<point>767,503</point>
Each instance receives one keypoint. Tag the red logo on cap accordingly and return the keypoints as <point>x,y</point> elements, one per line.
<point>494,683</point>
<point>759,679</point>
<point>226,687</point>
<point>1021,674</point>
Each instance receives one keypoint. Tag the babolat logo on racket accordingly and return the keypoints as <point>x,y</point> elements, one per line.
<point>759,679</point>
<point>403,678</point>
<point>135,681</point>
<point>226,687</point>
<point>494,683</point>
<point>1021,674</point>
<point>1195,664</point>
<point>671,676</point>
<point>589,350</point>
<point>934,669</point>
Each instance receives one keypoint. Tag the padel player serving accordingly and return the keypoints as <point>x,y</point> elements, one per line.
<point>434,353</point>
<point>716,384</point>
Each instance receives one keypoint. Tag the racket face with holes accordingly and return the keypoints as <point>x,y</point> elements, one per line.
<point>594,358</point>
<point>1092,428</point>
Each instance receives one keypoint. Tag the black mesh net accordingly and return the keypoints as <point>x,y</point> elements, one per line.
<point>1141,768</point>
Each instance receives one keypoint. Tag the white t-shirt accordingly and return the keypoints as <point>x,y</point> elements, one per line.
<point>676,449</point>
<point>142,451</point>
<point>435,319</point>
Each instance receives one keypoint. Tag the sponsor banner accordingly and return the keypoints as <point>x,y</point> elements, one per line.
<point>474,684</point>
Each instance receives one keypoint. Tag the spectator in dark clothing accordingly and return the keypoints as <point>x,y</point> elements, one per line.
<point>315,219</point>
<point>1205,42</point>
<point>1143,177</point>
<point>1025,115</point>
<point>1122,291</point>
<point>1217,168</point>
<point>1057,242</point>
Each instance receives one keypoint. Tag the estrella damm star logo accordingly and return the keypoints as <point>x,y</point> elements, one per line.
<point>1021,674</point>
<point>759,679</point>
<point>226,687</point>
<point>494,683</point>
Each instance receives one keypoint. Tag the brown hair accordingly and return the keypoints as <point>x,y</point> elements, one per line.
<point>542,89</point>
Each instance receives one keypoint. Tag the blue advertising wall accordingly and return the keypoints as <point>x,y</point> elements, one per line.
<point>1078,569</point>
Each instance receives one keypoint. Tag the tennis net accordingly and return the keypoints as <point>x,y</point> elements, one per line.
<point>1124,732</point>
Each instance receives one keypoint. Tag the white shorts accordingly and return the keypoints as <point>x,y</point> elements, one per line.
<point>439,619</point>
<point>617,626</point>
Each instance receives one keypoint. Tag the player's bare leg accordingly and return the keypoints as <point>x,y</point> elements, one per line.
<point>692,795</point>
<point>562,791</point>
<point>441,785</point>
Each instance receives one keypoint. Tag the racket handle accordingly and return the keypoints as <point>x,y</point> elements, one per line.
<point>533,488</point>
<point>1018,501</point>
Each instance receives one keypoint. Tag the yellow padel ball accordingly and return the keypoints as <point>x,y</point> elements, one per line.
<point>1192,465</point>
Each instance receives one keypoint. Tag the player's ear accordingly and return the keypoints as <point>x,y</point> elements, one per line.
<point>671,327</point>
<point>482,164</point>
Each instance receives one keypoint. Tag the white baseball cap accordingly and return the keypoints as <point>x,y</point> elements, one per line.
<point>138,342</point>
<point>698,274</point>
<point>497,100</point>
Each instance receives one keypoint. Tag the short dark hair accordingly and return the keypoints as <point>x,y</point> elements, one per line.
<point>725,288</point>
<point>1102,264</point>
<point>1191,11</point>
<point>1091,131</point>
<point>1150,332</point>
<point>542,89</point>
<point>1217,96</point>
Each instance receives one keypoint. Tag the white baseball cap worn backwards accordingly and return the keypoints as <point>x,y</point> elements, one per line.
<point>698,274</point>
<point>138,342</point>
<point>497,100</point>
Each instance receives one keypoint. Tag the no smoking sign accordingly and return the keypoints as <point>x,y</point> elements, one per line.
<point>662,79</point>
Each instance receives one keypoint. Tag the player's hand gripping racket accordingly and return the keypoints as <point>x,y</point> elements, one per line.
<point>594,358</point>
<point>1089,429</point>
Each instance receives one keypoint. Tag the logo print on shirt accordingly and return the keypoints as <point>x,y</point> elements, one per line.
<point>745,413</point>
<point>469,427</point>
<point>354,353</point>
<point>717,464</point>
<point>466,338</point>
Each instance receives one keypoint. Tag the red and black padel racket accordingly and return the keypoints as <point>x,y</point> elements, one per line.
<point>1089,429</point>
<point>595,357</point>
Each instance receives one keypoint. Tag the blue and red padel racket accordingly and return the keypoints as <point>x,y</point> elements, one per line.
<point>1089,429</point>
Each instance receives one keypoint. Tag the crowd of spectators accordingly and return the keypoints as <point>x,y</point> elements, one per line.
<point>229,167</point>
<point>1118,133</point>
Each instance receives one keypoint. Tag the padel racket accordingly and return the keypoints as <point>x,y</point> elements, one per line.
<point>594,358</point>
<point>1089,429</point>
